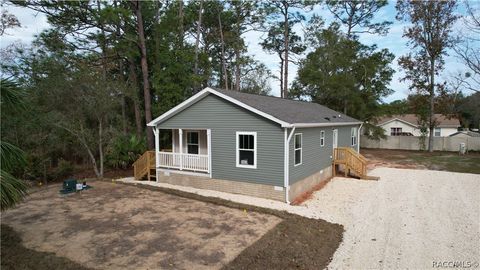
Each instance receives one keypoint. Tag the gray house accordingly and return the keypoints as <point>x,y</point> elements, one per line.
<point>249,144</point>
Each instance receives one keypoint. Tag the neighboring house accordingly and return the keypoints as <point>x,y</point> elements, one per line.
<point>407,125</point>
<point>249,144</point>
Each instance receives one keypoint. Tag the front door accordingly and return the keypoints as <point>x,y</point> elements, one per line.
<point>335,139</point>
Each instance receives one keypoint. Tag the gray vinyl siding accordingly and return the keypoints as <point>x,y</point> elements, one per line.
<point>315,157</point>
<point>225,119</point>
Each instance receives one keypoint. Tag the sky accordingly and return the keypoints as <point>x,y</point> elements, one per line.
<point>34,23</point>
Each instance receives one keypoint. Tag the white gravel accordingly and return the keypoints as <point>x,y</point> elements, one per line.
<point>407,219</point>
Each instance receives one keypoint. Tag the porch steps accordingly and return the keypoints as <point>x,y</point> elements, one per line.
<point>354,163</point>
<point>144,166</point>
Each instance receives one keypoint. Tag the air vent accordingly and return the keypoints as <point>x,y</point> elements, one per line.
<point>326,118</point>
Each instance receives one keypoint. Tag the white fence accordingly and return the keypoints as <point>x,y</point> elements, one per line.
<point>197,163</point>
<point>413,143</point>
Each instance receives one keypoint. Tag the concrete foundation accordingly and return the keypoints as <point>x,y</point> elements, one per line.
<point>236,187</point>
<point>306,184</point>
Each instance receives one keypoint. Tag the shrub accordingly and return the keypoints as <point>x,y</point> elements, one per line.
<point>124,150</point>
<point>63,170</point>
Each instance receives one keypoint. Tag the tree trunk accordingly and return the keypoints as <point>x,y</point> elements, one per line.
<point>180,23</point>
<point>237,54</point>
<point>136,105</point>
<point>285,36</point>
<point>100,145</point>
<point>237,69</point>
<point>197,46</point>
<point>432,104</point>
<point>124,102</point>
<point>281,77</point>
<point>144,64</point>
<point>224,65</point>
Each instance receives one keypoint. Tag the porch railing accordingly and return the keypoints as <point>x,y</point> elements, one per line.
<point>190,162</point>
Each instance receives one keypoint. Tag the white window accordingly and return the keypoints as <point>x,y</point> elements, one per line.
<point>246,149</point>
<point>354,136</point>
<point>192,142</point>
<point>298,148</point>
<point>322,138</point>
<point>437,132</point>
<point>395,131</point>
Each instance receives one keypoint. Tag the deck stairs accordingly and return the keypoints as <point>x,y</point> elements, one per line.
<point>352,163</point>
<point>144,166</point>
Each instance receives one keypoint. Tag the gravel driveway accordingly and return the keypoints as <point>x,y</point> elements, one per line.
<point>408,219</point>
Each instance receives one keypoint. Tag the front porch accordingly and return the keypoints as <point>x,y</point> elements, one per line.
<point>183,150</point>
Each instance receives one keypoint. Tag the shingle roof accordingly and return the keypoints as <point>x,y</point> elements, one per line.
<point>291,111</point>
<point>442,120</point>
<point>468,133</point>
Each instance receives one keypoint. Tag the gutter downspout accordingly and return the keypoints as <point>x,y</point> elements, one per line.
<point>358,137</point>
<point>286,162</point>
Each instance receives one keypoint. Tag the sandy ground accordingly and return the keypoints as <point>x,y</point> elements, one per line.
<point>114,226</point>
<point>407,219</point>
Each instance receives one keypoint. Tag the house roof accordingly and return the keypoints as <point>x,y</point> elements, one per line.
<point>287,113</point>
<point>468,133</point>
<point>412,119</point>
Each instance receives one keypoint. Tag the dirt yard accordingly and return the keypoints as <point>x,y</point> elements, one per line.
<point>440,161</point>
<point>409,219</point>
<point>134,226</point>
<point>117,227</point>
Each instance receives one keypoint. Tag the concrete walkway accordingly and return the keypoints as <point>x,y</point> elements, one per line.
<point>408,219</point>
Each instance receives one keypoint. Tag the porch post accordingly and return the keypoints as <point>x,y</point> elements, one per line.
<point>180,135</point>
<point>156,131</point>
<point>209,147</point>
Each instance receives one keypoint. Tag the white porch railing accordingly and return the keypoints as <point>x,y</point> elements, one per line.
<point>190,162</point>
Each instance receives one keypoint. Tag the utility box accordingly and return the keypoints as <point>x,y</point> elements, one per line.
<point>463,149</point>
<point>70,185</point>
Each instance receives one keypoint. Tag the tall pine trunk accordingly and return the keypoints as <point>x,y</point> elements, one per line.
<point>237,69</point>
<point>136,105</point>
<point>197,46</point>
<point>100,145</point>
<point>224,64</point>
<point>285,36</point>
<point>144,65</point>
<point>432,105</point>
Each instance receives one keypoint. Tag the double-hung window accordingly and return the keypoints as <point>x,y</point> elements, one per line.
<point>246,149</point>
<point>298,148</point>
<point>437,132</point>
<point>322,138</point>
<point>192,142</point>
<point>395,131</point>
<point>354,136</point>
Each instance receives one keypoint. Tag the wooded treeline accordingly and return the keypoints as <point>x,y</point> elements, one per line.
<point>104,69</point>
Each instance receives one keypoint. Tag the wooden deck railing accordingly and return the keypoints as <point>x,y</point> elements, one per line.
<point>143,165</point>
<point>352,162</point>
<point>191,162</point>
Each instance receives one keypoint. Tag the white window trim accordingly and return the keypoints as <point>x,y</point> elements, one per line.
<point>322,138</point>
<point>295,149</point>
<point>353,136</point>
<point>197,144</point>
<point>439,132</point>
<point>237,150</point>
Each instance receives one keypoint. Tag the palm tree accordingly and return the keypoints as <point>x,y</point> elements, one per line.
<point>12,190</point>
